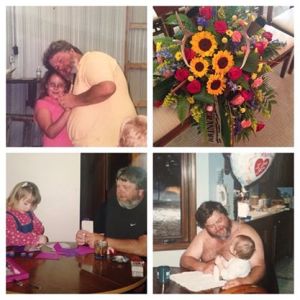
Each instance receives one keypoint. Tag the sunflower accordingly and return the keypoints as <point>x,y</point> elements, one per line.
<point>215,85</point>
<point>222,62</point>
<point>204,43</point>
<point>199,66</point>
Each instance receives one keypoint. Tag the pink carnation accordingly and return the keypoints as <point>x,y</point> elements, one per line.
<point>260,126</point>
<point>268,35</point>
<point>246,123</point>
<point>248,95</point>
<point>237,100</point>
<point>257,82</point>
<point>236,36</point>
<point>189,54</point>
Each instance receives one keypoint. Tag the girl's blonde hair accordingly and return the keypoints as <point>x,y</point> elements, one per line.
<point>23,190</point>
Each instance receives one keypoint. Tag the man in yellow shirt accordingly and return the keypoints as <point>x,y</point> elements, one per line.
<point>100,100</point>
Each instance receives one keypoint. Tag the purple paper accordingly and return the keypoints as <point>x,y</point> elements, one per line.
<point>83,250</point>
<point>64,251</point>
<point>48,255</point>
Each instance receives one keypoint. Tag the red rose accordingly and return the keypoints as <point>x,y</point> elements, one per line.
<point>268,35</point>
<point>182,74</point>
<point>205,12</point>
<point>260,126</point>
<point>194,87</point>
<point>247,95</point>
<point>157,103</point>
<point>220,26</point>
<point>260,46</point>
<point>189,54</point>
<point>235,73</point>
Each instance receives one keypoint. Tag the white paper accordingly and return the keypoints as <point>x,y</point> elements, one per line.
<point>87,225</point>
<point>196,281</point>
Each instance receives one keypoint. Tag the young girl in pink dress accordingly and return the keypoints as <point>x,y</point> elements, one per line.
<point>50,116</point>
<point>23,228</point>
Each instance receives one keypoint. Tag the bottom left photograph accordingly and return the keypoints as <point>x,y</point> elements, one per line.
<point>76,223</point>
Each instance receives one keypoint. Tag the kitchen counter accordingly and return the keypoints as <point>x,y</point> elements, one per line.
<point>254,214</point>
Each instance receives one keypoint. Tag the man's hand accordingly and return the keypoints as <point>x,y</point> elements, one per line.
<point>209,267</point>
<point>81,237</point>
<point>91,238</point>
<point>232,283</point>
<point>68,101</point>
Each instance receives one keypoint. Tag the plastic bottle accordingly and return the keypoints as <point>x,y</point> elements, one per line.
<point>38,73</point>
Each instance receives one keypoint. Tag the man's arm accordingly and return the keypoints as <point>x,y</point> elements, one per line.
<point>95,94</point>
<point>191,258</point>
<point>132,246</point>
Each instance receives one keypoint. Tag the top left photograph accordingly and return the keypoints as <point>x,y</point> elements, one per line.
<point>76,76</point>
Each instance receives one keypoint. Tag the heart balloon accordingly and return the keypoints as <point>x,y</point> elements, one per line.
<point>249,167</point>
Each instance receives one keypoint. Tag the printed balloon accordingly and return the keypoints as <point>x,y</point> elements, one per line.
<point>249,167</point>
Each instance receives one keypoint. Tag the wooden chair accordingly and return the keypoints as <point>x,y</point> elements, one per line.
<point>284,24</point>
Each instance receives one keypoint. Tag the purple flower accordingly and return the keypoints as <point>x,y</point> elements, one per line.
<point>201,21</point>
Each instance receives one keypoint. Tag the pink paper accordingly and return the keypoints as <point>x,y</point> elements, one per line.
<point>83,250</point>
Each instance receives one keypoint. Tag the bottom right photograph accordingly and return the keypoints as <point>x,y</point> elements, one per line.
<point>223,223</point>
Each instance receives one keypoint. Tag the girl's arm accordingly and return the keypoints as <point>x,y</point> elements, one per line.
<point>51,129</point>
<point>38,227</point>
<point>17,238</point>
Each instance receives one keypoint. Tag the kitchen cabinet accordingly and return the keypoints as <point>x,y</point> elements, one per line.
<point>277,234</point>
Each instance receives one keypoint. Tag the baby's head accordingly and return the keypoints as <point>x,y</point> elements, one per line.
<point>133,132</point>
<point>25,196</point>
<point>242,246</point>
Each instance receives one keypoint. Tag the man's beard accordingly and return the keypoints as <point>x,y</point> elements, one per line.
<point>222,236</point>
<point>130,204</point>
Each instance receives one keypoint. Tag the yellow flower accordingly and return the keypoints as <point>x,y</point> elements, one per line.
<point>204,43</point>
<point>191,78</point>
<point>158,46</point>
<point>260,95</point>
<point>224,40</point>
<point>200,28</point>
<point>196,113</point>
<point>259,68</point>
<point>178,56</point>
<point>229,32</point>
<point>239,87</point>
<point>234,18</point>
<point>242,110</point>
<point>199,66</point>
<point>222,62</point>
<point>191,100</point>
<point>169,100</point>
<point>253,76</point>
<point>215,85</point>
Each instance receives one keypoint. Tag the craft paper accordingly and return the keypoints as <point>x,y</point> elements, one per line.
<point>196,281</point>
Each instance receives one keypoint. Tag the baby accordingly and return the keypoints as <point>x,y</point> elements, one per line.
<point>242,249</point>
<point>133,132</point>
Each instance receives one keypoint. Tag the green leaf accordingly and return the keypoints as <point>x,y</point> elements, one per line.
<point>251,63</point>
<point>182,108</point>
<point>204,97</point>
<point>161,89</point>
<point>243,83</point>
<point>187,22</point>
<point>164,40</point>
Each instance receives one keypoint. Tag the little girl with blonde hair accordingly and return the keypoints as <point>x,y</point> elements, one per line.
<point>23,228</point>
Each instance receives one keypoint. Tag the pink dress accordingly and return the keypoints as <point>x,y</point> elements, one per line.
<point>62,139</point>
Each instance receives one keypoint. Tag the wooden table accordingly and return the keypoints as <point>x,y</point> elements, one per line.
<point>77,274</point>
<point>173,288</point>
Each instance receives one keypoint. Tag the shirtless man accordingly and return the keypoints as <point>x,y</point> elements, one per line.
<point>215,238</point>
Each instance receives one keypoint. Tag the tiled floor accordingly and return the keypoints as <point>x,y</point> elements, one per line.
<point>285,275</point>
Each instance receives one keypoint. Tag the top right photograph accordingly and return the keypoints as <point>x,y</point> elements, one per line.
<point>223,76</point>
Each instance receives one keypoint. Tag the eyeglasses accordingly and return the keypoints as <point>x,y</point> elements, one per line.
<point>56,86</point>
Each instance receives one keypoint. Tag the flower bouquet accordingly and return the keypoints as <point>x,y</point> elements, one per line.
<point>215,69</point>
